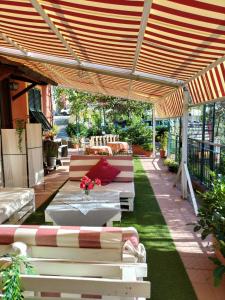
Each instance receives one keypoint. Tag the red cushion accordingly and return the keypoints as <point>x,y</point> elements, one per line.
<point>104,171</point>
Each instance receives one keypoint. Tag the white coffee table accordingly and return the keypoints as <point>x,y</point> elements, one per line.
<point>72,209</point>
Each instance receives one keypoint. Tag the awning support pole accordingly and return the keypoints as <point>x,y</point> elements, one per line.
<point>153,131</point>
<point>184,142</point>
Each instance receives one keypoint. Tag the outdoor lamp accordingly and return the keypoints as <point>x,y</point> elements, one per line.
<point>13,85</point>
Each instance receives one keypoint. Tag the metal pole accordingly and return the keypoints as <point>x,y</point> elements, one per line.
<point>184,143</point>
<point>202,161</point>
<point>153,131</point>
<point>211,155</point>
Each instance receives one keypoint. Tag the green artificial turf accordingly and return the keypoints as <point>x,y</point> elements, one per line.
<point>166,271</point>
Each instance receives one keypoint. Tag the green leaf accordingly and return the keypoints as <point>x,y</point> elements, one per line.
<point>218,274</point>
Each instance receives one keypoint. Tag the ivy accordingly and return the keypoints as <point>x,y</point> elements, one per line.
<point>20,125</point>
<point>11,277</point>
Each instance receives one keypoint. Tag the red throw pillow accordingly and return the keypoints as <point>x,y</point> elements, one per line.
<point>104,171</point>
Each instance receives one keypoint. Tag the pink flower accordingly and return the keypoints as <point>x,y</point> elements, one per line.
<point>85,179</point>
<point>98,181</point>
<point>82,185</point>
<point>90,186</point>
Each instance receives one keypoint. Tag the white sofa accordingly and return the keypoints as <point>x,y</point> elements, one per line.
<point>124,182</point>
<point>16,204</point>
<point>79,262</point>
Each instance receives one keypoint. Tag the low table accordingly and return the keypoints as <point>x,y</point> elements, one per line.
<point>73,209</point>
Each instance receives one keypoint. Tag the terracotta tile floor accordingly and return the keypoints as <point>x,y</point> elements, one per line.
<point>53,181</point>
<point>178,213</point>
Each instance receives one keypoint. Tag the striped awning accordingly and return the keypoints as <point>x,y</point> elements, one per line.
<point>138,49</point>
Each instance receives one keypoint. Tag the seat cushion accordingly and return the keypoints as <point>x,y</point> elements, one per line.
<point>81,164</point>
<point>104,171</point>
<point>126,189</point>
<point>12,200</point>
<point>69,236</point>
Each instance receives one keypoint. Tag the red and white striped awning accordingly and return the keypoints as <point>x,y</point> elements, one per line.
<point>138,49</point>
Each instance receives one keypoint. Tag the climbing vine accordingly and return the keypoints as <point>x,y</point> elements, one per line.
<point>20,125</point>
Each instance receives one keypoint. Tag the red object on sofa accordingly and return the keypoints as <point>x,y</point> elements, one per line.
<point>104,171</point>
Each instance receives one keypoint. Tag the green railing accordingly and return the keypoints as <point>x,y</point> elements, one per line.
<point>205,157</point>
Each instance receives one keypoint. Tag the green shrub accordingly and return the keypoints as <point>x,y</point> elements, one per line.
<point>76,129</point>
<point>138,133</point>
<point>212,220</point>
<point>147,147</point>
<point>93,131</point>
<point>172,165</point>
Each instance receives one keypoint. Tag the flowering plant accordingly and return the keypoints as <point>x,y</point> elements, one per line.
<point>87,184</point>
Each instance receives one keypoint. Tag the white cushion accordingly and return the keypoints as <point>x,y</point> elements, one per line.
<point>12,200</point>
<point>126,189</point>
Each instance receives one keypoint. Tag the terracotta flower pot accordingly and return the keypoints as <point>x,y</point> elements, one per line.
<point>162,153</point>
<point>138,150</point>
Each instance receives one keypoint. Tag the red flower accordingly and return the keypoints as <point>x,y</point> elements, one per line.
<point>91,185</point>
<point>85,179</point>
<point>82,185</point>
<point>98,181</point>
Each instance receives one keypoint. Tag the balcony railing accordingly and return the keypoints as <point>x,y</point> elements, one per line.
<point>205,157</point>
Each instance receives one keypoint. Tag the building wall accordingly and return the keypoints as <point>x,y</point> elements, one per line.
<point>20,105</point>
<point>47,102</point>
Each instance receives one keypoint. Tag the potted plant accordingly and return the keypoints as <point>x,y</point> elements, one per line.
<point>172,165</point>
<point>163,142</point>
<point>212,221</point>
<point>75,141</point>
<point>50,150</point>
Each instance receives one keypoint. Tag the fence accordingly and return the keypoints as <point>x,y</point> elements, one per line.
<point>204,157</point>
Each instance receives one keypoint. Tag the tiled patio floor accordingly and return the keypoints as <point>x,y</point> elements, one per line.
<point>178,213</point>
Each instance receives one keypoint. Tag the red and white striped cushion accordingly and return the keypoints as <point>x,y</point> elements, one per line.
<point>69,236</point>
<point>80,165</point>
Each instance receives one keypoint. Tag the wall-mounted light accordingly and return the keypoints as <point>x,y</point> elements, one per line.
<point>13,85</point>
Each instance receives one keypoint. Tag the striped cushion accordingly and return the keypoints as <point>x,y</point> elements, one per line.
<point>69,236</point>
<point>80,165</point>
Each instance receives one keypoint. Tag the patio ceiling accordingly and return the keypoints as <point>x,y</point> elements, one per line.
<point>143,50</point>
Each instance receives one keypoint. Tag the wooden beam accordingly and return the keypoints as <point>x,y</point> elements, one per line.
<point>5,72</point>
<point>25,79</point>
<point>24,91</point>
<point>90,67</point>
<point>18,69</point>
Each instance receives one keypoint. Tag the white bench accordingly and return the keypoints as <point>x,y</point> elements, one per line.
<point>80,262</point>
<point>124,182</point>
<point>16,204</point>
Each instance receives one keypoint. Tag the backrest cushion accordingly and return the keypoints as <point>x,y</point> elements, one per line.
<point>69,236</point>
<point>103,171</point>
<point>81,164</point>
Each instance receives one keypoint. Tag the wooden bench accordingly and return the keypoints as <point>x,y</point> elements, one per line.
<point>16,204</point>
<point>80,262</point>
<point>124,182</point>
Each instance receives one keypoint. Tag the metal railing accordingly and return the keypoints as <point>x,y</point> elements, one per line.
<point>205,157</point>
